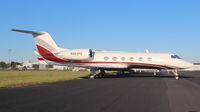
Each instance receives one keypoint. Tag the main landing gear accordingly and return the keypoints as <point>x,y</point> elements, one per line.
<point>155,72</point>
<point>94,75</point>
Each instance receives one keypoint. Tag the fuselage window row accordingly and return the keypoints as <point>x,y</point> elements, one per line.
<point>106,58</point>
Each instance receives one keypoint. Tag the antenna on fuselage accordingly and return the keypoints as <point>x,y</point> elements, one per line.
<point>146,50</point>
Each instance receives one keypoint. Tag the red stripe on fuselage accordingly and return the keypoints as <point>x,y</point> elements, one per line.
<point>41,59</point>
<point>127,63</point>
<point>46,54</point>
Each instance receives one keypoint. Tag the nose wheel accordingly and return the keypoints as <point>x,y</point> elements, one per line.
<point>92,76</point>
<point>177,78</point>
<point>175,72</point>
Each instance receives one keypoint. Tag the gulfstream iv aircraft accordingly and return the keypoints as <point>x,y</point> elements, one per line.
<point>104,60</point>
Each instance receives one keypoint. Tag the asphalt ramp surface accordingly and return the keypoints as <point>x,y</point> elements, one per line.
<point>135,93</point>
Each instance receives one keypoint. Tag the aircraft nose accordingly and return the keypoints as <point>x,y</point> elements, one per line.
<point>188,65</point>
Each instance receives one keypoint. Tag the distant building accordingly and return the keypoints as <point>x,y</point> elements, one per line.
<point>29,65</point>
<point>78,69</point>
<point>56,67</point>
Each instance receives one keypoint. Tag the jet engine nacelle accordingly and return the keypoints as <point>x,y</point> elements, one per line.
<point>77,54</point>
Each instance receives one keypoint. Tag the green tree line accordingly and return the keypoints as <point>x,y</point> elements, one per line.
<point>12,65</point>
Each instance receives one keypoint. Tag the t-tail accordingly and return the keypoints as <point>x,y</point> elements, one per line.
<point>46,46</point>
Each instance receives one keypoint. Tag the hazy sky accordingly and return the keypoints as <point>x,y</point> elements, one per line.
<point>119,25</point>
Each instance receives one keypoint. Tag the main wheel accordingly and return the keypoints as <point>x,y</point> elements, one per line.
<point>92,77</point>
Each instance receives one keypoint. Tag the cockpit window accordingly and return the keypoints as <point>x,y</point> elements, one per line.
<point>175,57</point>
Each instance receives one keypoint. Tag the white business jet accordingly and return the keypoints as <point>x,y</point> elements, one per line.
<point>105,60</point>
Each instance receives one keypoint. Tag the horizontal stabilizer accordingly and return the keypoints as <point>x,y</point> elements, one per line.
<point>34,33</point>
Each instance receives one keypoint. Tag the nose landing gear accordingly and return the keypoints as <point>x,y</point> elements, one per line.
<point>175,72</point>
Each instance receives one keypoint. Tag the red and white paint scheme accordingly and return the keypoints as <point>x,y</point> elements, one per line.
<point>104,60</point>
<point>40,59</point>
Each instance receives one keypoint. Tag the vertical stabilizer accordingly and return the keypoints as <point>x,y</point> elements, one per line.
<point>44,42</point>
<point>46,46</point>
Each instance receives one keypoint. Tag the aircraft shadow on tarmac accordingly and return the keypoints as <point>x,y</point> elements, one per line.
<point>140,75</point>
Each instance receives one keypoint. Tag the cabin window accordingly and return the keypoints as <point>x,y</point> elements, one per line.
<point>106,58</point>
<point>123,58</point>
<point>131,59</point>
<point>140,59</point>
<point>149,59</point>
<point>114,58</point>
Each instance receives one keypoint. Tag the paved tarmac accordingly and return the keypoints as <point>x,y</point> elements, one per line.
<point>137,93</point>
